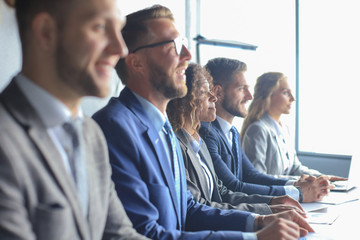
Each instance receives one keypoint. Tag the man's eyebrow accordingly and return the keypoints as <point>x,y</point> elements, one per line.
<point>95,14</point>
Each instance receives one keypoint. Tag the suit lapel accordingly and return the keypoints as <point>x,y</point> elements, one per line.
<point>154,140</point>
<point>235,169</point>
<point>19,107</point>
<point>207,158</point>
<point>54,161</point>
<point>184,190</point>
<point>182,136</point>
<point>281,153</point>
<point>269,125</point>
<point>92,180</point>
<point>222,136</point>
<point>208,161</point>
<point>95,172</point>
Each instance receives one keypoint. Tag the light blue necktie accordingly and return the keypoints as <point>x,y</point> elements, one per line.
<point>235,150</point>
<point>77,161</point>
<point>176,157</point>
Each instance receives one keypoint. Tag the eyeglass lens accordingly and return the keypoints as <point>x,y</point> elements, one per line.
<point>179,43</point>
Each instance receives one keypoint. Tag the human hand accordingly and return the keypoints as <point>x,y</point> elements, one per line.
<point>287,225</point>
<point>314,190</point>
<point>305,177</point>
<point>283,208</point>
<point>287,200</point>
<point>333,178</point>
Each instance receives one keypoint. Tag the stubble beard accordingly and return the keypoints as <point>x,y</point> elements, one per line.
<point>231,108</point>
<point>164,83</point>
<point>78,79</point>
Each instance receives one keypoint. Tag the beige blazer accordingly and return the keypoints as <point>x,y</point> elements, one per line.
<point>262,146</point>
<point>38,198</point>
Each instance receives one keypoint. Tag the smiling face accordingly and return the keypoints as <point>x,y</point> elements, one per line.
<point>236,95</point>
<point>89,45</point>
<point>281,99</point>
<point>206,102</point>
<point>166,68</point>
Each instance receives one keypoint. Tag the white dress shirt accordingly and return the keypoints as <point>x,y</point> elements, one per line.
<point>52,112</point>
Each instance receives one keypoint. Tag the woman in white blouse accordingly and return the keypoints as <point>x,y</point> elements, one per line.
<point>265,139</point>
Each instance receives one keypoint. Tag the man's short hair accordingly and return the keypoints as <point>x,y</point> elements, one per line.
<point>26,10</point>
<point>222,70</point>
<point>135,31</point>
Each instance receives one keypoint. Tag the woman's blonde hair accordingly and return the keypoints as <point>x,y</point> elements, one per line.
<point>265,87</point>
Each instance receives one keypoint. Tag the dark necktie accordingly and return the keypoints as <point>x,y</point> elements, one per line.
<point>235,150</point>
<point>77,161</point>
<point>176,157</point>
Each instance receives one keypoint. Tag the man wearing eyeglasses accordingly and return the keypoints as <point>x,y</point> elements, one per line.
<point>147,164</point>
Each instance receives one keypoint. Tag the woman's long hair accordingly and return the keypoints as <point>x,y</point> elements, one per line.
<point>265,87</point>
<point>184,109</point>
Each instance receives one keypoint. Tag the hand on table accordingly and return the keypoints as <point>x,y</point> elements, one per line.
<point>286,225</point>
<point>314,189</point>
<point>287,200</point>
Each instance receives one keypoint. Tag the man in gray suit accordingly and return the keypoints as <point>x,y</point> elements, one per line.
<point>54,171</point>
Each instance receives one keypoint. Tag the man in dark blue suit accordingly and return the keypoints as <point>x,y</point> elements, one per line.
<point>223,140</point>
<point>147,164</point>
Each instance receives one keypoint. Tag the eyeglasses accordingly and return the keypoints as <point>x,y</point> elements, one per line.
<point>179,42</point>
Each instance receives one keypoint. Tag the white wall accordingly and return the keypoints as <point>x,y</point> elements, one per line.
<point>10,49</point>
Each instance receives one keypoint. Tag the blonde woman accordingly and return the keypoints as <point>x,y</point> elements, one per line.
<point>265,139</point>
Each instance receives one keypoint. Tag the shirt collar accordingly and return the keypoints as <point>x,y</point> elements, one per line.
<point>275,124</point>
<point>224,125</point>
<point>158,118</point>
<point>51,111</point>
<point>194,144</point>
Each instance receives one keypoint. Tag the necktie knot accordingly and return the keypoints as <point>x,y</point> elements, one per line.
<point>168,128</point>
<point>235,134</point>
<point>71,129</point>
<point>233,130</point>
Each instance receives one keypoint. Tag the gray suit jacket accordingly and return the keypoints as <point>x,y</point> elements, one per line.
<point>222,197</point>
<point>38,198</point>
<point>262,146</point>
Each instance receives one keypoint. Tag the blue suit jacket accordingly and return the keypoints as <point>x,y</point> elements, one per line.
<point>145,184</point>
<point>249,180</point>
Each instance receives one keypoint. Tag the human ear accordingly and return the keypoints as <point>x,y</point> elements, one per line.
<point>218,92</point>
<point>44,30</point>
<point>11,3</point>
<point>134,62</point>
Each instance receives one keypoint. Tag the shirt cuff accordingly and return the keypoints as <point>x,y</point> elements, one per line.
<point>249,227</point>
<point>249,236</point>
<point>292,192</point>
<point>290,182</point>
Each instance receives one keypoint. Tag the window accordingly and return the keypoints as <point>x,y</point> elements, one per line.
<point>270,25</point>
<point>329,51</point>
